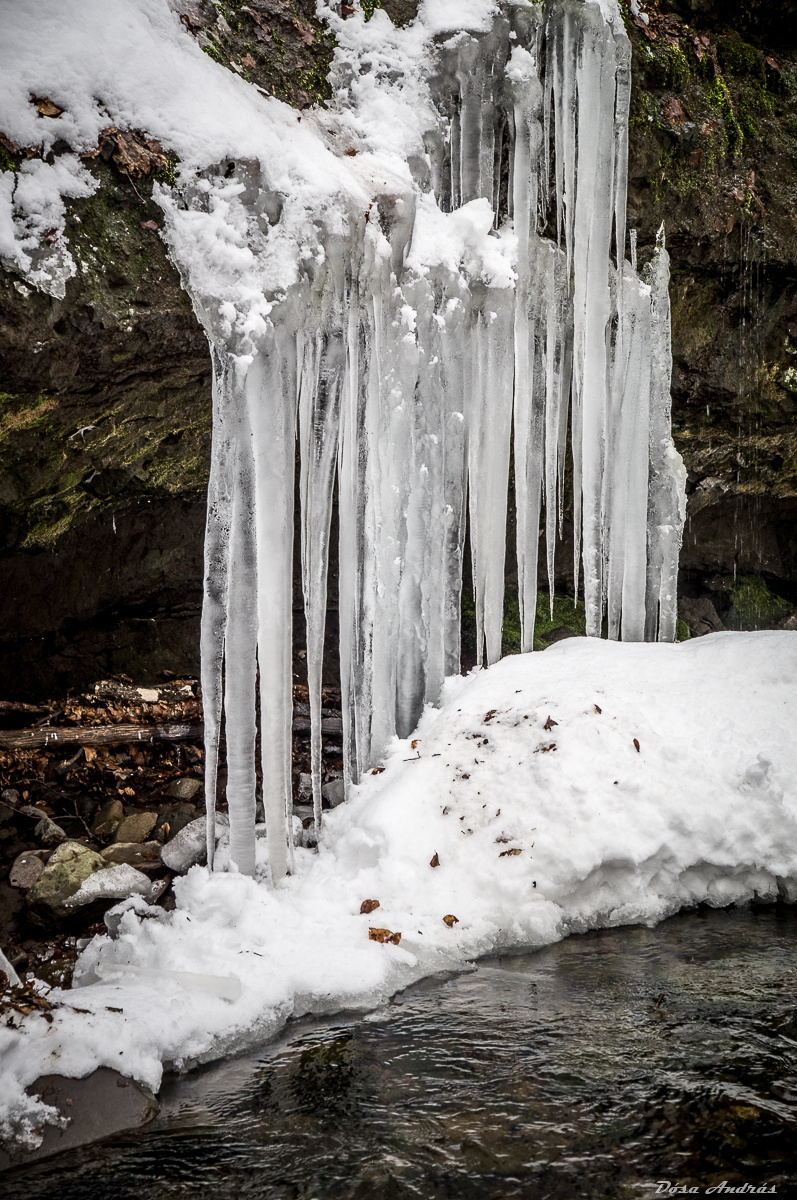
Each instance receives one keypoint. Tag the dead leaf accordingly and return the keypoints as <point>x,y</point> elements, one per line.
<point>549,724</point>
<point>709,127</point>
<point>510,853</point>
<point>730,224</point>
<point>90,753</point>
<point>695,158</point>
<point>450,920</point>
<point>384,935</point>
<point>153,225</point>
<point>545,749</point>
<point>772,63</point>
<point>346,11</point>
<point>636,743</point>
<point>434,861</point>
<point>46,107</point>
<point>598,709</point>
<point>674,112</point>
<point>248,61</point>
<point>368,906</point>
<point>377,770</point>
<point>415,743</point>
<point>489,716</point>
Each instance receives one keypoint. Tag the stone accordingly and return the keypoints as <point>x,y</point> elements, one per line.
<point>334,792</point>
<point>103,1104</point>
<point>172,819</point>
<point>135,854</point>
<point>118,881</point>
<point>788,622</point>
<point>700,615</point>
<point>107,819</point>
<point>305,784</point>
<point>48,833</point>
<point>136,828</point>
<point>26,869</point>
<point>70,865</point>
<point>184,789</point>
<point>187,848</point>
<point>10,796</point>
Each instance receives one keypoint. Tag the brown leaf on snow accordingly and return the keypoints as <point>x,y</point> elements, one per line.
<point>384,935</point>
<point>545,749</point>
<point>450,920</point>
<point>415,743</point>
<point>549,724</point>
<point>636,744</point>
<point>489,716</point>
<point>368,906</point>
<point>377,770</point>
<point>598,709</point>
<point>510,853</point>
<point>434,861</point>
<point>46,107</point>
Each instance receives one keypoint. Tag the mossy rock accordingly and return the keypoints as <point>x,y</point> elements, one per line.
<point>754,606</point>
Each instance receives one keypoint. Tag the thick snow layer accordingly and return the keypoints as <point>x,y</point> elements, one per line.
<point>594,785</point>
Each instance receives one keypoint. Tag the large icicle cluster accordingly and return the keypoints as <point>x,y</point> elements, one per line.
<point>470,305</point>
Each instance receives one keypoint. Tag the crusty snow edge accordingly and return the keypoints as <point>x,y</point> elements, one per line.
<point>597,784</point>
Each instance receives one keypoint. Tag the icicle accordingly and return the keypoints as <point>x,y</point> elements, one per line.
<point>423,335</point>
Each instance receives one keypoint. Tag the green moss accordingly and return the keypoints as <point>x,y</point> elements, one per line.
<point>682,633</point>
<point>719,102</point>
<point>369,7</point>
<point>7,161</point>
<point>566,615</point>
<point>753,605</point>
<point>740,58</point>
<point>216,53</point>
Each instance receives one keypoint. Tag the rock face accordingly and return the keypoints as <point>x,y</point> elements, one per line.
<point>105,395</point>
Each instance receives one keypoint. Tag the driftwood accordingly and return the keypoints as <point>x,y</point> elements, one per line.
<point>116,735</point>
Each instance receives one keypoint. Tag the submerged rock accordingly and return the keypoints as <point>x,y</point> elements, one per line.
<point>102,1104</point>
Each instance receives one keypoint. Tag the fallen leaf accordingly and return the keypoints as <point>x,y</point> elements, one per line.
<point>489,716</point>
<point>450,920</point>
<point>709,127</point>
<point>434,861</point>
<point>695,158</point>
<point>415,743</point>
<point>46,107</point>
<point>598,709</point>
<point>90,753</point>
<point>674,112</point>
<point>368,906</point>
<point>248,61</point>
<point>377,770</point>
<point>384,935</point>
<point>153,225</point>
<point>772,63</point>
<point>545,749</point>
<point>510,853</point>
<point>636,743</point>
<point>549,724</point>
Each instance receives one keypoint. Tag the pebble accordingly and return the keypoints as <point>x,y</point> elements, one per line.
<point>135,828</point>
<point>48,833</point>
<point>185,788</point>
<point>26,870</point>
<point>107,818</point>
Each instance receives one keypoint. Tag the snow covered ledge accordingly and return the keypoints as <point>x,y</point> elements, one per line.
<point>597,784</point>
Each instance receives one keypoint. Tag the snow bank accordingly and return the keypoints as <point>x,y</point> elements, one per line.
<point>594,785</point>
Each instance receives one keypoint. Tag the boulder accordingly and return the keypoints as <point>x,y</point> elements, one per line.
<point>187,848</point>
<point>107,819</point>
<point>135,828</point>
<point>334,792</point>
<point>68,868</point>
<point>700,615</point>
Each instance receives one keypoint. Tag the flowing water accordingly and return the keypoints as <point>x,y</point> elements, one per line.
<point>595,1067</point>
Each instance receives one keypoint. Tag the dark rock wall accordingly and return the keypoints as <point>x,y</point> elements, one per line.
<point>105,395</point>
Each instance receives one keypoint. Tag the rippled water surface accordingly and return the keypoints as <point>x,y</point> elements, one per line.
<point>591,1068</point>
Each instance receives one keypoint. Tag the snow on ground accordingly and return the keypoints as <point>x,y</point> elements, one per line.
<point>596,784</point>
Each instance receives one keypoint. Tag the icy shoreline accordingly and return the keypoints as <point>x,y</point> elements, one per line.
<point>528,787</point>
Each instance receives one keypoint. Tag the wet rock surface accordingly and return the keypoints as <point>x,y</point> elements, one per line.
<point>103,1104</point>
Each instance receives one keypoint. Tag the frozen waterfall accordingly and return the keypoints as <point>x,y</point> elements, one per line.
<point>458,299</point>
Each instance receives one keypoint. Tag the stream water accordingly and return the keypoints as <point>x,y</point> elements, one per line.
<point>595,1067</point>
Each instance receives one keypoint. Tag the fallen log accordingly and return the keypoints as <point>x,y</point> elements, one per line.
<point>97,735</point>
<point>116,735</point>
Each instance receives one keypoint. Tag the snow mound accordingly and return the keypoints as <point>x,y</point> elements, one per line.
<point>597,784</point>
